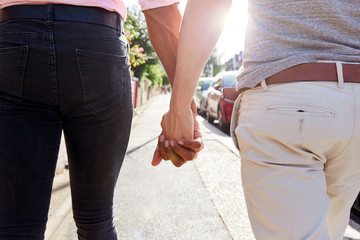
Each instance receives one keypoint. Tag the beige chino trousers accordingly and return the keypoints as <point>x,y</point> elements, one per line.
<point>300,158</point>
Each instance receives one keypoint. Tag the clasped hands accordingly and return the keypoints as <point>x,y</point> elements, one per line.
<point>180,139</point>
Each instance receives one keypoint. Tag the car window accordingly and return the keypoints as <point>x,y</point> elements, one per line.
<point>229,81</point>
<point>218,82</point>
<point>206,85</point>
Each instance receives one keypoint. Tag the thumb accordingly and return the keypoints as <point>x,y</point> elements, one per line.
<point>193,107</point>
<point>156,158</point>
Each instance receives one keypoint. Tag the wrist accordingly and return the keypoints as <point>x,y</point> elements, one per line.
<point>178,104</point>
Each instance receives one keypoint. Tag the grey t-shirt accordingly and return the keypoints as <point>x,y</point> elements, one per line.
<point>284,33</point>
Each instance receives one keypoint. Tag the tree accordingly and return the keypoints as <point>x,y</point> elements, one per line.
<point>153,74</point>
<point>136,52</point>
<point>141,51</point>
<point>213,65</point>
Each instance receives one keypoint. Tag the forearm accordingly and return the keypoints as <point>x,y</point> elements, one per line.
<point>163,27</point>
<point>201,27</point>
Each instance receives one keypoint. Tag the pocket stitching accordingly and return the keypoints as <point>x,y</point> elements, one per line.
<point>17,49</point>
<point>101,55</point>
<point>80,53</point>
<point>23,50</point>
<point>301,110</point>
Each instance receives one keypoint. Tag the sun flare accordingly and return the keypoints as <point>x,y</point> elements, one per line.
<point>232,38</point>
<point>231,41</point>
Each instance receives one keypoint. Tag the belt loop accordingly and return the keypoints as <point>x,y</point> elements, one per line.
<point>122,26</point>
<point>119,25</point>
<point>340,74</point>
<point>49,13</point>
<point>264,85</point>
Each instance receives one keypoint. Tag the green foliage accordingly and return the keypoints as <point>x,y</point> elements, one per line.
<point>133,29</point>
<point>213,65</point>
<point>142,55</point>
<point>154,73</point>
<point>165,79</point>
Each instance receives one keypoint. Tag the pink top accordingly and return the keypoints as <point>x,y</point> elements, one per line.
<point>111,5</point>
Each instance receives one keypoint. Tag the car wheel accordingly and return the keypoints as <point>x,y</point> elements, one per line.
<point>202,112</point>
<point>208,117</point>
<point>201,109</point>
<point>222,124</point>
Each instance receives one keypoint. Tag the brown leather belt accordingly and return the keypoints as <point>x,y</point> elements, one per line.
<point>306,72</point>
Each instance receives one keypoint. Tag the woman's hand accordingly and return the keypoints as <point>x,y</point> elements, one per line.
<point>178,124</point>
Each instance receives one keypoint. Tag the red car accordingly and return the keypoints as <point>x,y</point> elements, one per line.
<point>217,107</point>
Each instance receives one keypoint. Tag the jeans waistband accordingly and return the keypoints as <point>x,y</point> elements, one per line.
<point>60,12</point>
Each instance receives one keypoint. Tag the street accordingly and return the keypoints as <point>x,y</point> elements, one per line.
<point>201,200</point>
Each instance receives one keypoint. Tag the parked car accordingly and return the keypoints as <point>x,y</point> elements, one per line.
<point>356,207</point>
<point>201,93</point>
<point>217,107</point>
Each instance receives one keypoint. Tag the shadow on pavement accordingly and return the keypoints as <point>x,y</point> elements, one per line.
<point>140,146</point>
<point>58,188</point>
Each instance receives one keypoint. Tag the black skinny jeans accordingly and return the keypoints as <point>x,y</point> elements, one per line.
<point>61,68</point>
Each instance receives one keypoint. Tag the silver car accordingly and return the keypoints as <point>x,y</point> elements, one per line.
<point>201,93</point>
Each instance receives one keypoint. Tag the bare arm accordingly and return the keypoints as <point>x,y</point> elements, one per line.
<point>203,23</point>
<point>201,27</point>
<point>163,27</point>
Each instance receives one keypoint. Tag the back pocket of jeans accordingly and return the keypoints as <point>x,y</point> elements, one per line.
<point>104,79</point>
<point>12,69</point>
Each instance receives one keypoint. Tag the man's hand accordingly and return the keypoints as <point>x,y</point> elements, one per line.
<point>176,126</point>
<point>165,151</point>
<point>179,152</point>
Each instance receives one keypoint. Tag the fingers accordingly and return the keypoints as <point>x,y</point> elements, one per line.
<point>185,153</point>
<point>160,152</point>
<point>162,143</point>
<point>156,158</point>
<point>197,134</point>
<point>165,151</point>
<point>176,159</point>
<point>195,145</point>
<point>193,108</point>
<point>168,151</point>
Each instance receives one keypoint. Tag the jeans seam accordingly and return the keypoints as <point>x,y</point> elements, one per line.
<point>83,76</point>
<point>22,73</point>
<point>52,52</point>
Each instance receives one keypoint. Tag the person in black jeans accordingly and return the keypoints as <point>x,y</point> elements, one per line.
<point>61,68</point>
<point>66,68</point>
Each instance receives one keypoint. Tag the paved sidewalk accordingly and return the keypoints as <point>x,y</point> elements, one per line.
<point>203,200</point>
<point>161,202</point>
<point>60,213</point>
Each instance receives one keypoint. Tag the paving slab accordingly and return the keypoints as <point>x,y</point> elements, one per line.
<point>201,200</point>
<point>161,202</point>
